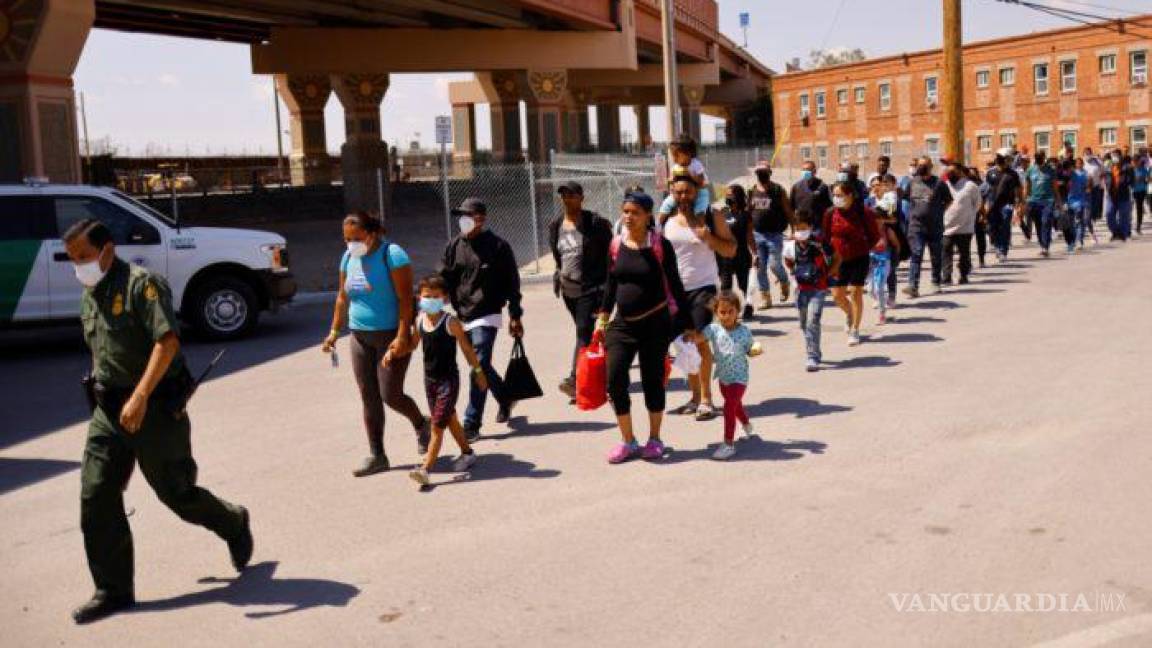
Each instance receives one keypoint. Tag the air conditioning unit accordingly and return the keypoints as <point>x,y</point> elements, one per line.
<point>804,120</point>
<point>1140,78</point>
<point>931,104</point>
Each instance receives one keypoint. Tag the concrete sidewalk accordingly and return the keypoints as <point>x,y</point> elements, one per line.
<point>990,440</point>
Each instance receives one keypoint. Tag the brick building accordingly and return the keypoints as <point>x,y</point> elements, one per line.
<point>1088,85</point>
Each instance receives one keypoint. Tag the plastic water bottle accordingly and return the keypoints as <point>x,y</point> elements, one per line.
<point>335,359</point>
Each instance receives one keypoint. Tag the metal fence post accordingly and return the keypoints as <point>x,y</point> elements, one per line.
<point>447,198</point>
<point>535,225</point>
<point>380,193</point>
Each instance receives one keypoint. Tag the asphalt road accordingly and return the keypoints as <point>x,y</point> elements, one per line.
<point>993,440</point>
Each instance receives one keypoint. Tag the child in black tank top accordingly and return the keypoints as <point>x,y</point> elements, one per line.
<point>441,333</point>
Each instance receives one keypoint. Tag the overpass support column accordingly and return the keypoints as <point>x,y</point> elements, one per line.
<point>363,152</point>
<point>692,97</point>
<point>306,95</point>
<point>40,45</point>
<point>546,112</point>
<point>463,138</point>
<point>506,143</point>
<point>608,127</point>
<point>643,127</point>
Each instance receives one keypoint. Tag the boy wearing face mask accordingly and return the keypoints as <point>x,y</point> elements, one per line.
<point>440,333</point>
<point>481,277</point>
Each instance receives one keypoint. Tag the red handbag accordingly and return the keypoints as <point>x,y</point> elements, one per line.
<point>592,375</point>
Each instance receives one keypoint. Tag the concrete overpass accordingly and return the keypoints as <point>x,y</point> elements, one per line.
<point>557,56</point>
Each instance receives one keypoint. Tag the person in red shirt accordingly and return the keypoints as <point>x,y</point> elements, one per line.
<point>851,229</point>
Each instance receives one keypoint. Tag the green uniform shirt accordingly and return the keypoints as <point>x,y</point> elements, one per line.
<point>124,316</point>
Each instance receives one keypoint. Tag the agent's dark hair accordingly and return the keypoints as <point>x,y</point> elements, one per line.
<point>95,231</point>
<point>685,144</point>
<point>365,221</point>
<point>739,196</point>
<point>433,282</point>
<point>804,216</point>
<point>726,297</point>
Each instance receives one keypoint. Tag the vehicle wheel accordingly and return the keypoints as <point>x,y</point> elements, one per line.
<point>224,308</point>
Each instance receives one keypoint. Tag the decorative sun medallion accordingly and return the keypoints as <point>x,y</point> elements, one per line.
<point>366,88</point>
<point>509,86</point>
<point>17,27</point>
<point>311,91</point>
<point>547,86</point>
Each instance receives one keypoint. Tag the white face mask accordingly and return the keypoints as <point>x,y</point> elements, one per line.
<point>357,248</point>
<point>467,224</point>
<point>911,170</point>
<point>802,235</point>
<point>840,202</point>
<point>89,274</point>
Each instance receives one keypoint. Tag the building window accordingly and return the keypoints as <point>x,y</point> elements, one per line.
<point>1108,137</point>
<point>932,145</point>
<point>844,151</point>
<point>886,148</point>
<point>984,142</point>
<point>1067,76</point>
<point>821,108</point>
<point>931,91</point>
<point>1139,62</point>
<point>1043,141</point>
<point>983,78</point>
<point>803,106</point>
<point>885,96</point>
<point>1007,76</point>
<point>1107,64</point>
<point>861,151</point>
<point>822,157</point>
<point>1068,138</point>
<point>1138,137</point>
<point>842,97</point>
<point>1040,78</point>
<point>1007,140</point>
<point>805,153</point>
<point>860,95</point>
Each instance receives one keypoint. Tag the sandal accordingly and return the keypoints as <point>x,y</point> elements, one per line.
<point>705,412</point>
<point>687,408</point>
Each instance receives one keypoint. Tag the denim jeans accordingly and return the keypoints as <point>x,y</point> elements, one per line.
<point>810,304</point>
<point>1083,216</point>
<point>1040,214</point>
<point>920,241</point>
<point>1000,229</point>
<point>879,270</point>
<point>770,249</point>
<point>483,339</point>
<point>1119,215</point>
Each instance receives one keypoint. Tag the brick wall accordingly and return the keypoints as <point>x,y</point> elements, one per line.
<point>1001,102</point>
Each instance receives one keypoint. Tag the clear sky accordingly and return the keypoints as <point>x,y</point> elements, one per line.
<point>174,95</point>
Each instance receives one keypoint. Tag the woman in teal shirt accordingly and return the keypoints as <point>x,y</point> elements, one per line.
<point>375,299</point>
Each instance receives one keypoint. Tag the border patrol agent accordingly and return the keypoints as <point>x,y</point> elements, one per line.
<point>138,390</point>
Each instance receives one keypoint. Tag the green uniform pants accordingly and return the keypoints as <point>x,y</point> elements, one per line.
<point>163,448</point>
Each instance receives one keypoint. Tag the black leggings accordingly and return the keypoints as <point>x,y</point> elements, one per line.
<point>1139,197</point>
<point>649,338</point>
<point>380,386</point>
<point>739,268</point>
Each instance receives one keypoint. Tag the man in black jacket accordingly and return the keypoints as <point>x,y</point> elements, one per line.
<point>579,240</point>
<point>482,277</point>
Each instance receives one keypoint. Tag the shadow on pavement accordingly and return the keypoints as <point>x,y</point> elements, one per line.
<point>40,385</point>
<point>982,281</point>
<point>752,448</point>
<point>901,338</point>
<point>257,586</point>
<point>764,332</point>
<point>863,362</point>
<point>976,291</point>
<point>18,473</point>
<point>917,320</point>
<point>522,428</point>
<point>496,466</point>
<point>799,407</point>
<point>938,304</point>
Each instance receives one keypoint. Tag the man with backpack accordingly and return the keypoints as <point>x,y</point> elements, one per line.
<point>579,240</point>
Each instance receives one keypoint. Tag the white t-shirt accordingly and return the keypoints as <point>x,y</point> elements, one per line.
<point>696,168</point>
<point>697,261</point>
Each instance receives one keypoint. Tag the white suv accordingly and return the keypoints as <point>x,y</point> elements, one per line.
<point>221,278</point>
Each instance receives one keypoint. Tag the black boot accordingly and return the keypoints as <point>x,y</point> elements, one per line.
<point>241,546</point>
<point>102,605</point>
<point>375,464</point>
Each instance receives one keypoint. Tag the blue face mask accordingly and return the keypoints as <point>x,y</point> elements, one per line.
<point>842,177</point>
<point>806,175</point>
<point>431,305</point>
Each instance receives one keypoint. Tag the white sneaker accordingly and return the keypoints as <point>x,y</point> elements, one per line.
<point>724,452</point>
<point>420,476</point>
<point>749,430</point>
<point>464,462</point>
<point>853,338</point>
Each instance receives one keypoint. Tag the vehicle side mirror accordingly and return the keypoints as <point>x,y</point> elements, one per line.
<point>143,234</point>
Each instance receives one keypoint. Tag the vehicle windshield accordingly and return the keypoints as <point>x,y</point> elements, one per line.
<point>165,218</point>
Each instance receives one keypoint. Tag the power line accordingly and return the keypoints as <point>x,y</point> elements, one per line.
<point>832,25</point>
<point>1117,25</point>
<point>1089,5</point>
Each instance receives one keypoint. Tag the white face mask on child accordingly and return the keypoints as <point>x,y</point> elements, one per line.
<point>802,235</point>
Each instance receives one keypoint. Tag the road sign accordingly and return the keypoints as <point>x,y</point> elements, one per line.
<point>745,19</point>
<point>443,129</point>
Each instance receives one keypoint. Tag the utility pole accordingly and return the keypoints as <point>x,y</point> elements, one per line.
<point>671,81</point>
<point>279,134</point>
<point>953,94</point>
